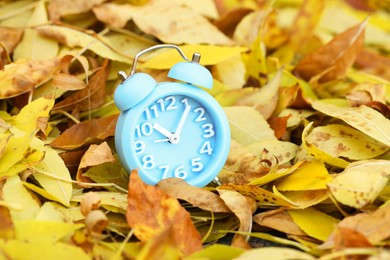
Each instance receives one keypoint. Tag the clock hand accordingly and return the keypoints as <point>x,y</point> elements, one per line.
<point>161,140</point>
<point>162,130</point>
<point>182,120</point>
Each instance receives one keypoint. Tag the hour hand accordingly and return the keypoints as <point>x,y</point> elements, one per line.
<point>162,130</point>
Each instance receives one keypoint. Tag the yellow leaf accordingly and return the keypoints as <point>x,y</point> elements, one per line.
<point>274,253</point>
<point>309,176</point>
<point>317,153</point>
<point>231,72</point>
<point>75,38</point>
<point>276,151</point>
<point>313,222</point>
<point>247,125</point>
<point>346,142</point>
<point>204,7</point>
<point>16,13</point>
<point>15,150</point>
<point>15,192</point>
<point>4,138</point>
<point>274,175</point>
<point>360,183</point>
<point>113,201</point>
<point>264,99</point>
<point>52,211</point>
<point>34,46</point>
<point>60,188</point>
<point>216,252</point>
<point>363,118</point>
<point>262,196</point>
<point>36,249</point>
<point>231,96</point>
<point>210,55</point>
<point>305,198</point>
<point>32,230</point>
<point>33,114</point>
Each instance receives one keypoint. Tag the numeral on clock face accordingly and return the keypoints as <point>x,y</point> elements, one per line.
<point>171,117</point>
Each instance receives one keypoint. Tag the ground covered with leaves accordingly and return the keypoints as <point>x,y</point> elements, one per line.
<point>305,85</point>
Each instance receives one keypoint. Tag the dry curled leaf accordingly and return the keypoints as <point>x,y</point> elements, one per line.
<point>86,132</point>
<point>332,60</point>
<point>198,197</point>
<point>151,211</point>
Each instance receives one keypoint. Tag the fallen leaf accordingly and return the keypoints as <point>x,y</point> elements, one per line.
<point>211,55</point>
<point>198,197</point>
<point>167,21</point>
<point>60,8</point>
<point>89,202</point>
<point>242,160</point>
<point>274,253</point>
<point>33,46</point>
<point>360,183</point>
<point>309,176</point>
<point>262,196</point>
<point>23,75</point>
<point>332,60</point>
<point>26,206</point>
<point>363,118</point>
<point>216,251</point>
<point>161,246</point>
<point>349,238</point>
<point>111,201</point>
<point>76,38</point>
<point>95,222</point>
<point>319,154</point>
<point>345,142</point>
<point>280,221</point>
<point>19,249</point>
<point>31,230</point>
<point>9,38</point>
<point>86,132</point>
<point>7,228</point>
<point>373,225</point>
<point>238,204</point>
<point>91,97</point>
<point>265,99</point>
<point>95,155</point>
<point>53,165</point>
<point>308,220</point>
<point>249,128</point>
<point>151,212</point>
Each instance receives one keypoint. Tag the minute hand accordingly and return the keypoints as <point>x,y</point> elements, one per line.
<point>182,120</point>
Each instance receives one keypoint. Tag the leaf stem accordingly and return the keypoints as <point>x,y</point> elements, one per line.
<point>80,183</point>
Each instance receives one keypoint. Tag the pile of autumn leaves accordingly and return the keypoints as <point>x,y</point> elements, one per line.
<point>309,159</point>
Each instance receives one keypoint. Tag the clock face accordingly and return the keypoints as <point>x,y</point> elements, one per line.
<point>175,136</point>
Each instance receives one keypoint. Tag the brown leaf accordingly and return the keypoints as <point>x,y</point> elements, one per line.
<point>88,98</point>
<point>374,63</point>
<point>151,211</point>
<point>280,221</point>
<point>86,132</point>
<point>95,155</point>
<point>375,226</point>
<point>7,229</point>
<point>239,205</point>
<point>90,201</point>
<point>332,60</point>
<point>198,197</point>
<point>279,125</point>
<point>350,238</point>
<point>22,76</point>
<point>9,38</point>
<point>96,221</point>
<point>228,22</point>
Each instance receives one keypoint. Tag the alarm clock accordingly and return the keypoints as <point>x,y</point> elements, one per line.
<point>171,129</point>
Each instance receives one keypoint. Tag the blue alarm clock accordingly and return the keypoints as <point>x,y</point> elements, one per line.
<point>171,129</point>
